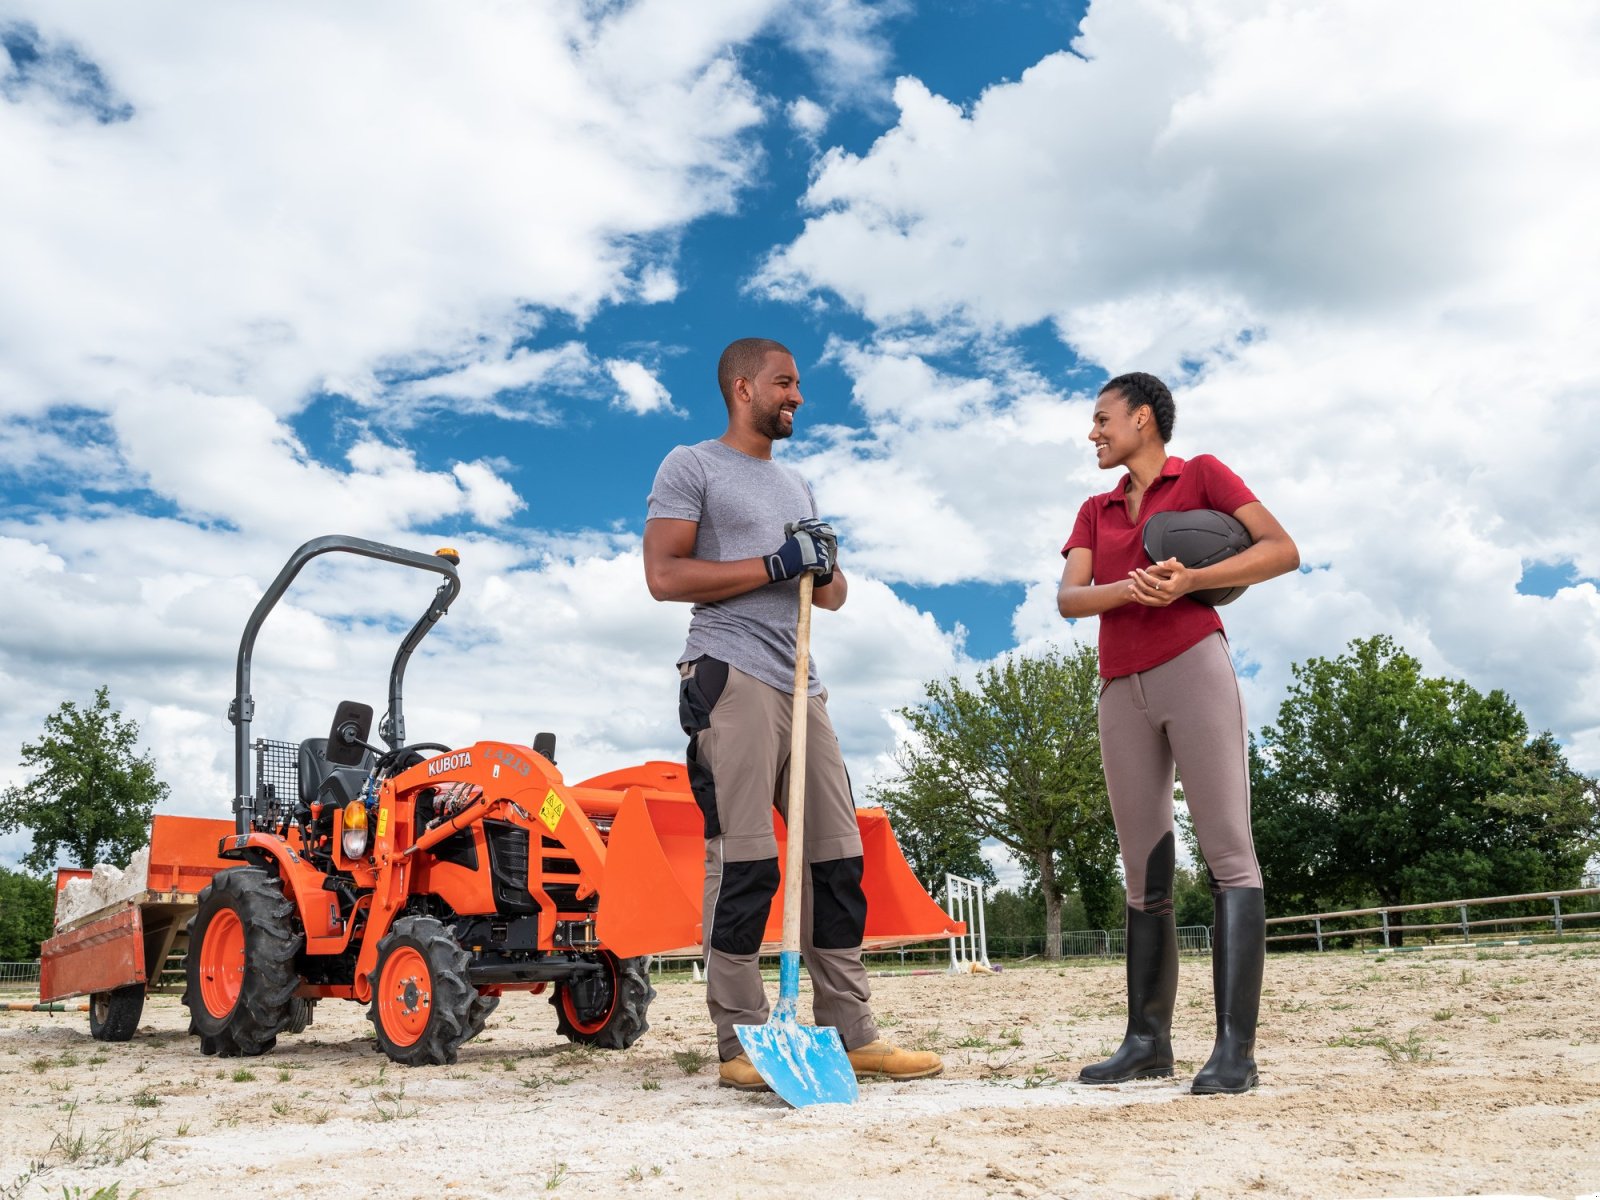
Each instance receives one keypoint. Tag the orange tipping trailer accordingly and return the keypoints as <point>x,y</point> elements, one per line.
<point>657,858</point>
<point>116,954</point>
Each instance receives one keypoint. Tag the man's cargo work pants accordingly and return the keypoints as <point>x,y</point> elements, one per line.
<point>738,760</point>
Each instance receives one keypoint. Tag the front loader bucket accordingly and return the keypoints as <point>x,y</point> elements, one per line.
<point>655,871</point>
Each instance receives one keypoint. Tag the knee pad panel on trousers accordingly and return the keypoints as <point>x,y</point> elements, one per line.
<point>744,899</point>
<point>838,904</point>
<point>698,694</point>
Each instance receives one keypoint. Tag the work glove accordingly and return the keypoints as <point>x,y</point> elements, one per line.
<point>810,549</point>
<point>822,532</point>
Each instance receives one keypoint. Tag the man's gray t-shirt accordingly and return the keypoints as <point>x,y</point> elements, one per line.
<point>741,505</point>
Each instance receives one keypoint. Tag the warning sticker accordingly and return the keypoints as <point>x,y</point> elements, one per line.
<point>550,811</point>
<point>383,821</point>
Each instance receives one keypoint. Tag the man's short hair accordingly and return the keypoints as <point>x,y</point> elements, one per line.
<point>743,359</point>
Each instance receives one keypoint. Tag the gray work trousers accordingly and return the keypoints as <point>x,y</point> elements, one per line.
<point>739,769</point>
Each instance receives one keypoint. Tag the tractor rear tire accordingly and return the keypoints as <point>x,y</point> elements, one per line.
<point>609,1012</point>
<point>240,969</point>
<point>421,1000</point>
<point>114,1015</point>
<point>478,1014</point>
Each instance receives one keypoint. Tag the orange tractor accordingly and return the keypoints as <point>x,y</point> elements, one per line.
<point>426,880</point>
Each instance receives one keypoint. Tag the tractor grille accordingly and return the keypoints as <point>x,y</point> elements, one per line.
<point>508,866</point>
<point>565,894</point>
<point>277,781</point>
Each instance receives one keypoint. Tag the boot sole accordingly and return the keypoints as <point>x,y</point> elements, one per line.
<point>1154,1073</point>
<point>1214,1090</point>
<point>743,1087</point>
<point>869,1073</point>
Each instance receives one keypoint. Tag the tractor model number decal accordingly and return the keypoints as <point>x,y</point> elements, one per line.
<point>520,766</point>
<point>550,811</point>
<point>448,762</point>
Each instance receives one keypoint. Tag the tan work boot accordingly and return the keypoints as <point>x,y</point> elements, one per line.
<point>891,1062</point>
<point>739,1072</point>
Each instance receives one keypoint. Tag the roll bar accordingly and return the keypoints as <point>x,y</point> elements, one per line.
<point>393,727</point>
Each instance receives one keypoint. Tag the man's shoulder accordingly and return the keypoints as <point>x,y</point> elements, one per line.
<point>691,453</point>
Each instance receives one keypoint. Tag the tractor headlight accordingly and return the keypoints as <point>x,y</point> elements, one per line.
<point>356,834</point>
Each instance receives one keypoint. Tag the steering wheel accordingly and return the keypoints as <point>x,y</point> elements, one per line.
<point>398,754</point>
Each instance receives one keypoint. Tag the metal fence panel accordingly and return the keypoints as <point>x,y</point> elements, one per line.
<point>18,972</point>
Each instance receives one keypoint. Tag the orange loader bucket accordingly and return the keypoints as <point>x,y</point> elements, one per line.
<point>655,870</point>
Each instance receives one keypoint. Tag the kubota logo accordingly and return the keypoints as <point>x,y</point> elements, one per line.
<point>448,762</point>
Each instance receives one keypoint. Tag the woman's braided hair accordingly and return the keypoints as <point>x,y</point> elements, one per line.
<point>1140,387</point>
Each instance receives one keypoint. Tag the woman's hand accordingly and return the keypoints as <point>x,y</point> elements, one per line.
<point>1160,584</point>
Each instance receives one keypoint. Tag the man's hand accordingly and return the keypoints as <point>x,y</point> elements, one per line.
<point>823,533</point>
<point>804,549</point>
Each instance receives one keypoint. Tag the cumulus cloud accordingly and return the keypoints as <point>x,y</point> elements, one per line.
<point>1348,241</point>
<point>638,390</point>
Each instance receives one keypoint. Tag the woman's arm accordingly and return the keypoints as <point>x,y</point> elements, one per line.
<point>1272,553</point>
<point>1080,596</point>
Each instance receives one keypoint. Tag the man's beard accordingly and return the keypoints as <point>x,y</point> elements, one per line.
<point>771,424</point>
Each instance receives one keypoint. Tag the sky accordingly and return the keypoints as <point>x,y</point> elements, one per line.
<point>459,275</point>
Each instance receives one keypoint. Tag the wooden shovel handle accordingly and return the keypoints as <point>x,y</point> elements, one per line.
<point>795,820</point>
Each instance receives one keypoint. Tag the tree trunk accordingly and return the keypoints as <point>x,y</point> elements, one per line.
<point>1052,903</point>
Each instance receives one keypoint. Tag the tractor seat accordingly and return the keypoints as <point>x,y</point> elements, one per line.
<point>323,782</point>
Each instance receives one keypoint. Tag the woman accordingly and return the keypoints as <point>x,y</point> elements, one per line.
<point>1170,697</point>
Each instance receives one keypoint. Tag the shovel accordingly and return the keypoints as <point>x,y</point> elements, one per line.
<point>803,1063</point>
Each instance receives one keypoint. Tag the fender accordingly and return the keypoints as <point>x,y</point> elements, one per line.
<point>326,931</point>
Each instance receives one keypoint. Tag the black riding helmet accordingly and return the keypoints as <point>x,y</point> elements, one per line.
<point>1197,538</point>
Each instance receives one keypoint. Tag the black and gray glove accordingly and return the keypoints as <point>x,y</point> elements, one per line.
<point>809,546</point>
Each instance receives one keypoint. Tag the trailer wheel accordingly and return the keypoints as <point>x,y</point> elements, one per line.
<point>609,1009</point>
<point>240,971</point>
<point>114,1015</point>
<point>421,1000</point>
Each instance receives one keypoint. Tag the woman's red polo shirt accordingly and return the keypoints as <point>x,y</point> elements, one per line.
<point>1134,637</point>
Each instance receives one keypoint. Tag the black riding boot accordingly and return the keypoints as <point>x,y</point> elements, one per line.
<point>1237,953</point>
<point>1146,1050</point>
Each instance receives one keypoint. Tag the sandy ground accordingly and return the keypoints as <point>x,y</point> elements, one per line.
<point>1441,1073</point>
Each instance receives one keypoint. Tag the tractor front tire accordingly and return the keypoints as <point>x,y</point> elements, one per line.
<point>421,999</point>
<point>114,1015</point>
<point>240,969</point>
<point>608,1010</point>
<point>301,1013</point>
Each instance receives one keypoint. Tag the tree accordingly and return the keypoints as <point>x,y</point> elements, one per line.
<point>1017,759</point>
<point>90,797</point>
<point>27,908</point>
<point>1377,783</point>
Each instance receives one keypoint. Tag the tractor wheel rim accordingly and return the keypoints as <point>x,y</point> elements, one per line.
<point>222,963</point>
<point>595,1024</point>
<point>101,1007</point>
<point>405,996</point>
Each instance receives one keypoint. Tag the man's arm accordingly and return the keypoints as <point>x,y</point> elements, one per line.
<point>672,572</point>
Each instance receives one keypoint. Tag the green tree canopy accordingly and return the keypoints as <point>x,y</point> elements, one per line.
<point>1016,758</point>
<point>27,909</point>
<point>90,794</point>
<point>1378,783</point>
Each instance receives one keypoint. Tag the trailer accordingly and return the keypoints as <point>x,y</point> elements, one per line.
<point>117,954</point>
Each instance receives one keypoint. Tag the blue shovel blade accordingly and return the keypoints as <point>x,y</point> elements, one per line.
<point>805,1064</point>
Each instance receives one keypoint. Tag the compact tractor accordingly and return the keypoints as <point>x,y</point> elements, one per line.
<point>420,879</point>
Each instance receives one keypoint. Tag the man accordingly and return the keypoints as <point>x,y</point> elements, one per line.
<point>715,537</point>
